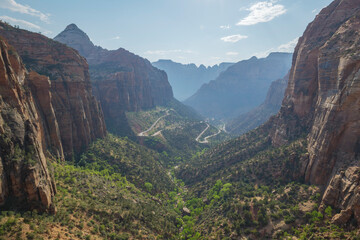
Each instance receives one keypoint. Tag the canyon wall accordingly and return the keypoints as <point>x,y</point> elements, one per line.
<point>322,98</point>
<point>24,177</point>
<point>122,81</point>
<point>77,112</point>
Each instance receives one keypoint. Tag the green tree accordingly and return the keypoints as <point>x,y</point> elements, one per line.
<point>148,186</point>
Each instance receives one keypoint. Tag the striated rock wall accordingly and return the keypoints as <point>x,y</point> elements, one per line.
<point>322,99</point>
<point>78,114</point>
<point>40,87</point>
<point>24,177</point>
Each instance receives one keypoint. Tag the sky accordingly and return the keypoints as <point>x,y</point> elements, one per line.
<point>188,31</point>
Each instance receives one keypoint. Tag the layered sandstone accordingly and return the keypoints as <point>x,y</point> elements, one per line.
<point>322,99</point>
<point>24,177</point>
<point>122,81</point>
<point>78,114</point>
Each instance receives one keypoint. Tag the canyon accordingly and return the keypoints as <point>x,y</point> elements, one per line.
<point>94,141</point>
<point>121,80</point>
<point>186,79</point>
<point>259,115</point>
<point>240,88</point>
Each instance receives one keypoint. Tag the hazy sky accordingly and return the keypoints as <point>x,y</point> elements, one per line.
<point>188,31</point>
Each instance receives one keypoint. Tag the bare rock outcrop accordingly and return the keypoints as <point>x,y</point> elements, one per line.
<point>78,113</point>
<point>122,81</point>
<point>24,177</point>
<point>322,99</point>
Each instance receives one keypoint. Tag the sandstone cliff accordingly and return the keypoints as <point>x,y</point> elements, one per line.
<point>122,81</point>
<point>24,177</point>
<point>322,99</point>
<point>78,115</point>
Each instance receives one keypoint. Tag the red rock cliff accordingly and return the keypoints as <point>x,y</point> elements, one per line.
<point>78,114</point>
<point>24,177</point>
<point>122,81</point>
<point>323,99</point>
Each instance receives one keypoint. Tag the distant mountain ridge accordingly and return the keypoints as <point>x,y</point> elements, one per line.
<point>259,115</point>
<point>186,79</point>
<point>122,81</point>
<point>240,88</point>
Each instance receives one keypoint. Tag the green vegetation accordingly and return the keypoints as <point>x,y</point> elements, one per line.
<point>172,187</point>
<point>139,164</point>
<point>174,135</point>
<point>93,204</point>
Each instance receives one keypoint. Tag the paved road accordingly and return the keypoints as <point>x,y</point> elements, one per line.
<point>144,133</point>
<point>206,139</point>
<point>202,133</point>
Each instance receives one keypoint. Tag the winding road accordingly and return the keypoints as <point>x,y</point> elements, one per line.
<point>206,139</point>
<point>198,137</point>
<point>144,133</point>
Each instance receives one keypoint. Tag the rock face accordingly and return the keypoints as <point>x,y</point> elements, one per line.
<point>186,79</point>
<point>322,98</point>
<point>122,81</point>
<point>240,88</point>
<point>256,117</point>
<point>24,177</point>
<point>79,118</point>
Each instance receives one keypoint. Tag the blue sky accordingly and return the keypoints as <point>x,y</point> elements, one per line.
<point>187,31</point>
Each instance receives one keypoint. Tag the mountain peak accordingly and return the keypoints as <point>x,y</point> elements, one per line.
<point>76,38</point>
<point>71,27</point>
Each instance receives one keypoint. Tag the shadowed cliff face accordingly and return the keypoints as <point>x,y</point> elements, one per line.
<point>259,115</point>
<point>186,79</point>
<point>122,81</point>
<point>78,114</point>
<point>24,177</point>
<point>323,98</point>
<point>241,88</point>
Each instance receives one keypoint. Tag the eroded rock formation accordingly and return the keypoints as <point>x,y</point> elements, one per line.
<point>78,114</point>
<point>24,177</point>
<point>322,98</point>
<point>122,81</point>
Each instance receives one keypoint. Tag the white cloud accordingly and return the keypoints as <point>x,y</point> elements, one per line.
<point>264,54</point>
<point>20,22</point>
<point>116,38</point>
<point>262,12</point>
<point>225,27</point>
<point>25,9</point>
<point>288,47</point>
<point>232,53</point>
<point>166,52</point>
<point>233,38</point>
<point>314,11</point>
